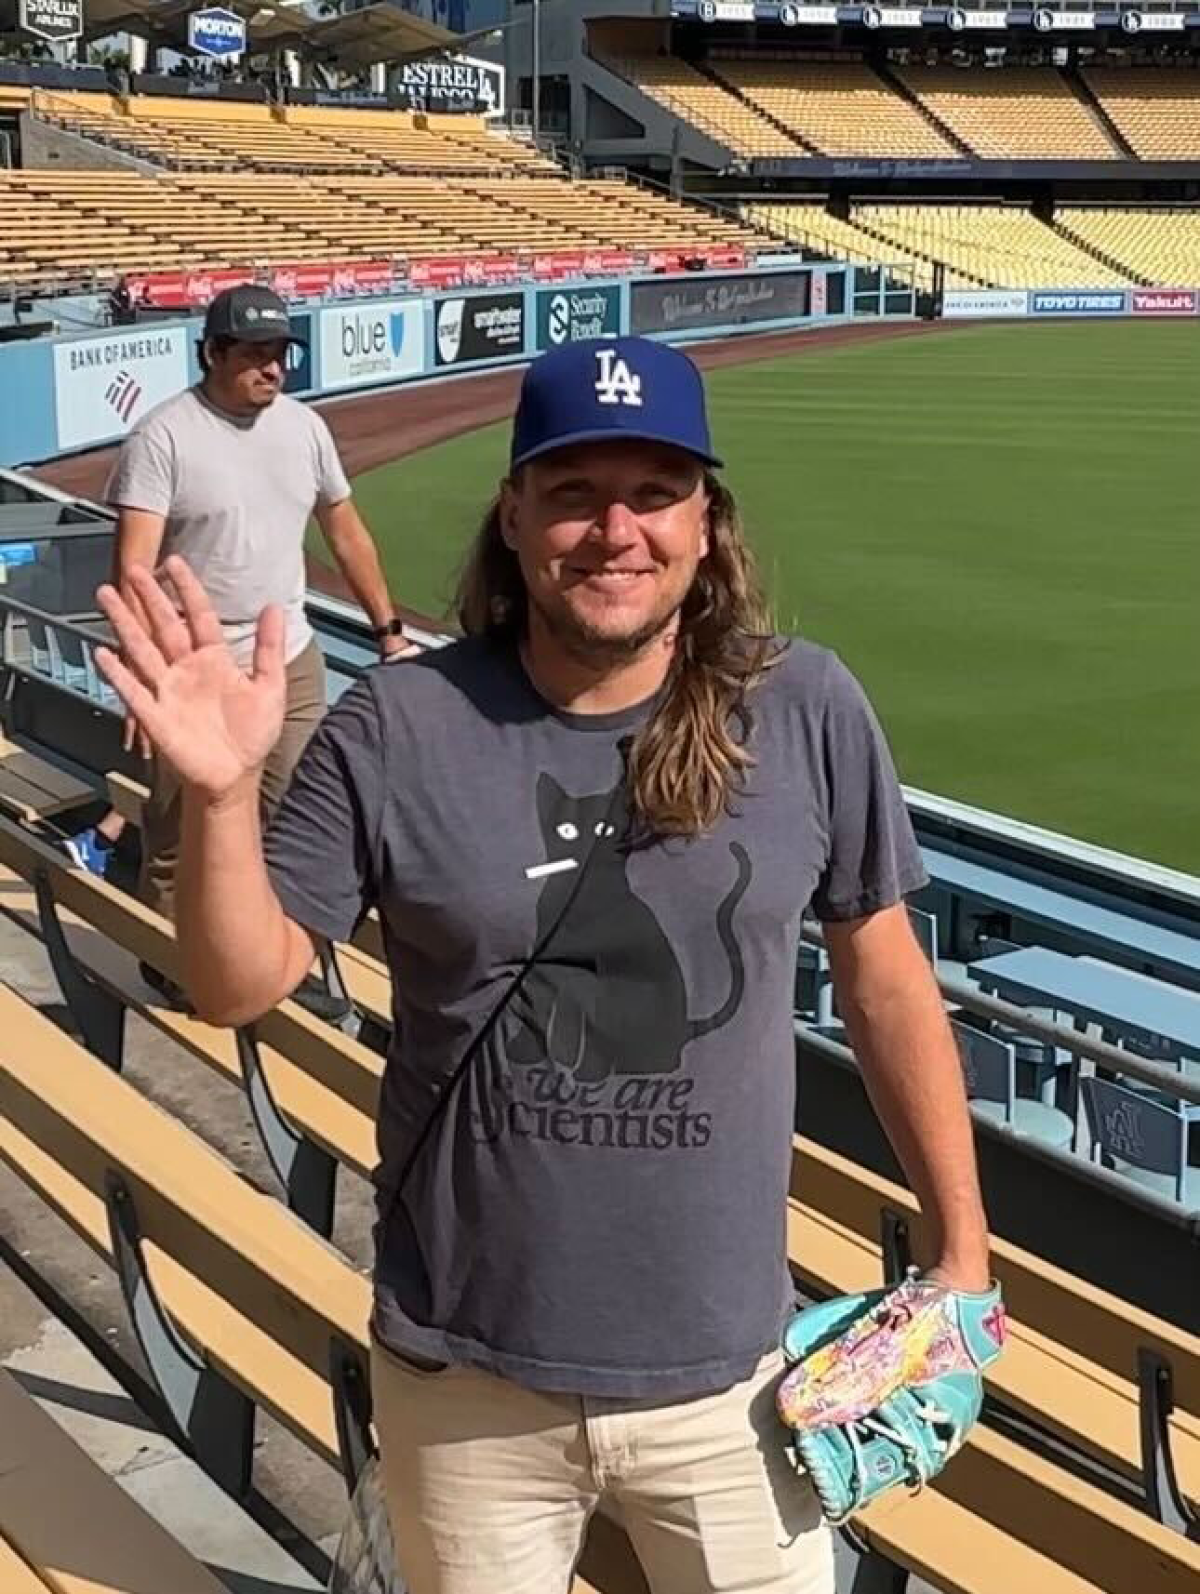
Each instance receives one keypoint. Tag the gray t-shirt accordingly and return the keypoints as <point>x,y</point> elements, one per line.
<point>601,1208</point>
<point>237,493</point>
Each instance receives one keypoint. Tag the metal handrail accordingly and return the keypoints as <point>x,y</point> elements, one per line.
<point>54,621</point>
<point>1135,1195</point>
<point>1161,1077</point>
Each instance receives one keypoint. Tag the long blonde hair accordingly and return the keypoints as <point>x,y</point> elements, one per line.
<point>692,755</point>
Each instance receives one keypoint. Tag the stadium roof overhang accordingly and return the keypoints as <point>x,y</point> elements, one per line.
<point>382,32</point>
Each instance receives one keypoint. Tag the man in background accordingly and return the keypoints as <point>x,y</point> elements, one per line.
<point>227,474</point>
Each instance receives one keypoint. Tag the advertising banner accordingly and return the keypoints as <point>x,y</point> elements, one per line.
<point>460,83</point>
<point>964,303</point>
<point>102,385</point>
<point>333,278</point>
<point>488,270</point>
<point>486,326</point>
<point>569,315</point>
<point>298,374</point>
<point>561,263</point>
<point>1061,301</point>
<point>680,305</point>
<point>54,20</point>
<point>437,271</point>
<point>217,33</point>
<point>372,342</point>
<point>1163,301</point>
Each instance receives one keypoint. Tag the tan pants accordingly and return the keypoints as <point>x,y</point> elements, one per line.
<point>163,813</point>
<point>490,1486</point>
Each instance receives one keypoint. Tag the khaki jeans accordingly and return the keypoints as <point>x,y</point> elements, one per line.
<point>490,1486</point>
<point>162,817</point>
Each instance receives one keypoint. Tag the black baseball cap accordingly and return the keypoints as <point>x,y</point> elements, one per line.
<point>250,314</point>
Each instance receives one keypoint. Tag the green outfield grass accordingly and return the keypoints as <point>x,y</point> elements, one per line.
<point>996,527</point>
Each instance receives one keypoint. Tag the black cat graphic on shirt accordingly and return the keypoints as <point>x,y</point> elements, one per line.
<point>610,997</point>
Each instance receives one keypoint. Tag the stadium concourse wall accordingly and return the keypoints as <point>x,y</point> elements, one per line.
<point>65,394</point>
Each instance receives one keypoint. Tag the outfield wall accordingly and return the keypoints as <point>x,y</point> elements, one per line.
<point>66,394</point>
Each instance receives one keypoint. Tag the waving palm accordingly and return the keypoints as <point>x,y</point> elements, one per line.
<point>211,721</point>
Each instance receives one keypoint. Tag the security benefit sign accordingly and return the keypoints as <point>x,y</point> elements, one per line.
<point>217,32</point>
<point>103,385</point>
<point>54,20</point>
<point>486,326</point>
<point>569,315</point>
<point>382,342</point>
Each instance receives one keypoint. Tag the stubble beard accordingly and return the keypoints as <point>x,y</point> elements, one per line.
<point>588,645</point>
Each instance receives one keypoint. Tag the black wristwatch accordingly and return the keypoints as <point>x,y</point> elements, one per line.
<point>392,628</point>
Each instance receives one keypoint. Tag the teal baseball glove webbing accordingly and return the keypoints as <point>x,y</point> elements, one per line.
<point>883,1387</point>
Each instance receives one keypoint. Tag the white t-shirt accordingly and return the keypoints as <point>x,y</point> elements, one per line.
<point>237,493</point>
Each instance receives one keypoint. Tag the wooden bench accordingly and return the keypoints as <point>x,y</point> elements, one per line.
<point>1115,1383</point>
<point>274,1308</point>
<point>66,1527</point>
<point>237,1302</point>
<point>359,965</point>
<point>899,1537</point>
<point>32,789</point>
<point>324,1090</point>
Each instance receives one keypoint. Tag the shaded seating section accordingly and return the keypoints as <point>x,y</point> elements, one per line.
<point>837,108</point>
<point>1157,246</point>
<point>687,92</point>
<point>1012,112</point>
<point>1156,108</point>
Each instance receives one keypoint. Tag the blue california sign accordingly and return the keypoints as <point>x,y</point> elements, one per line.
<point>217,32</point>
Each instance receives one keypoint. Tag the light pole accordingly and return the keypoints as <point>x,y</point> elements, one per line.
<point>536,66</point>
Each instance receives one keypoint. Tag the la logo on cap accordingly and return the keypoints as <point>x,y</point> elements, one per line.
<point>616,383</point>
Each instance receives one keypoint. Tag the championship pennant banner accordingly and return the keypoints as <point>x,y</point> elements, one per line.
<point>1129,19</point>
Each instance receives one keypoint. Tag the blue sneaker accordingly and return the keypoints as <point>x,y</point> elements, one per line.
<point>89,850</point>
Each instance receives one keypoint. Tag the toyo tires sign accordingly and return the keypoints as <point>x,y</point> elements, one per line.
<point>217,32</point>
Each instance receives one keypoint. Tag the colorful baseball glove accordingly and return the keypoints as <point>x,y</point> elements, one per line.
<point>885,1386</point>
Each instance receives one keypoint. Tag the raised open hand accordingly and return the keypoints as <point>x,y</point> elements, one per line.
<point>209,719</point>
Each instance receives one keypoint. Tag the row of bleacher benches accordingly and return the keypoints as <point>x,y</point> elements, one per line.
<point>759,104</point>
<point>1002,245</point>
<point>240,1304</point>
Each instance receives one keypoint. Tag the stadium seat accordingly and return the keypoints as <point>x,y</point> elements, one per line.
<point>1012,112</point>
<point>1143,1139</point>
<point>990,1071</point>
<point>837,108</point>
<point>1155,108</point>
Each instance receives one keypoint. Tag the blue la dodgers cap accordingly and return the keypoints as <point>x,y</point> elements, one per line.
<point>604,389</point>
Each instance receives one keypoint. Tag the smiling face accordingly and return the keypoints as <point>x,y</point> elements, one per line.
<point>609,537</point>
